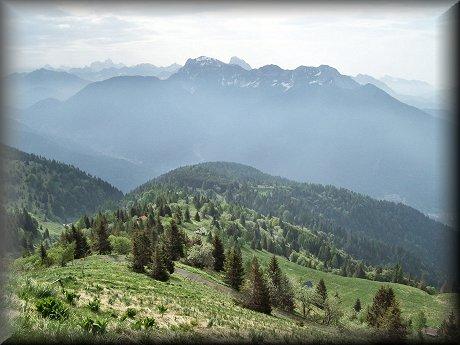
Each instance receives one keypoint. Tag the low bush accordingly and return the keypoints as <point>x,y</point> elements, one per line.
<point>52,308</point>
<point>95,326</point>
<point>94,305</point>
<point>71,297</point>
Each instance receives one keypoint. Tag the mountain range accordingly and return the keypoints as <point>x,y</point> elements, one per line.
<point>309,124</point>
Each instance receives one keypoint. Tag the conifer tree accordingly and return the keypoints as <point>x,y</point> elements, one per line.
<point>385,315</point>
<point>43,254</point>
<point>86,222</point>
<point>321,290</point>
<point>81,244</point>
<point>215,223</point>
<point>187,215</point>
<point>159,269</point>
<point>175,239</point>
<point>102,237</point>
<point>197,217</point>
<point>159,225</point>
<point>234,272</point>
<point>357,306</point>
<point>281,291</point>
<point>257,291</point>
<point>397,274</point>
<point>141,250</point>
<point>166,249</point>
<point>218,253</point>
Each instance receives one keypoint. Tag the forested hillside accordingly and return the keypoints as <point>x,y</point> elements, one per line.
<point>55,190</point>
<point>378,232</point>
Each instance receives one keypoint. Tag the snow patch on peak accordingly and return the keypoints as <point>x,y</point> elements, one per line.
<point>206,61</point>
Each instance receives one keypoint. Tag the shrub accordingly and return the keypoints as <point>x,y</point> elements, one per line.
<point>94,305</point>
<point>145,323</point>
<point>71,296</point>
<point>62,254</point>
<point>131,312</point>
<point>52,308</point>
<point>149,322</point>
<point>162,309</point>
<point>120,244</point>
<point>200,256</point>
<point>95,326</point>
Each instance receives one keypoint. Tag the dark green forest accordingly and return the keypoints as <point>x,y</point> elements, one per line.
<point>377,232</point>
<point>58,191</point>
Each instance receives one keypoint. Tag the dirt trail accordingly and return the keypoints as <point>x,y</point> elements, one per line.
<point>227,290</point>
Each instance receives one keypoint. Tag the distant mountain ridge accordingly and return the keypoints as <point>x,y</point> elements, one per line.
<point>25,89</point>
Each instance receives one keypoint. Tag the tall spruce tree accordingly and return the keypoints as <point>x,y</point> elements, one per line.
<point>234,272</point>
<point>159,269</point>
<point>175,240</point>
<point>218,253</point>
<point>321,290</point>
<point>357,306</point>
<point>102,237</point>
<point>81,244</point>
<point>197,217</point>
<point>43,253</point>
<point>257,291</point>
<point>384,312</point>
<point>141,250</point>
<point>166,249</point>
<point>187,215</point>
<point>281,291</point>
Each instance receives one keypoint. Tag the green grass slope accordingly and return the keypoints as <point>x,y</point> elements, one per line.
<point>194,311</point>
<point>412,300</point>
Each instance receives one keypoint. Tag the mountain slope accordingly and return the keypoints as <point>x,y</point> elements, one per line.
<point>234,60</point>
<point>384,232</point>
<point>111,169</point>
<point>55,190</point>
<point>309,124</point>
<point>25,89</point>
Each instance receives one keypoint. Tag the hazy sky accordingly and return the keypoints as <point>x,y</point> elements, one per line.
<point>399,40</point>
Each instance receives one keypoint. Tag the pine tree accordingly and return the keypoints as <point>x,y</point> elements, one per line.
<point>159,269</point>
<point>81,244</point>
<point>175,240</point>
<point>159,225</point>
<point>397,274</point>
<point>43,254</point>
<point>86,222</point>
<point>357,306</point>
<point>275,275</point>
<point>234,271</point>
<point>102,237</point>
<point>141,250</point>
<point>321,290</point>
<point>187,215</point>
<point>257,291</point>
<point>166,249</point>
<point>46,234</point>
<point>197,217</point>
<point>385,315</point>
<point>218,253</point>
